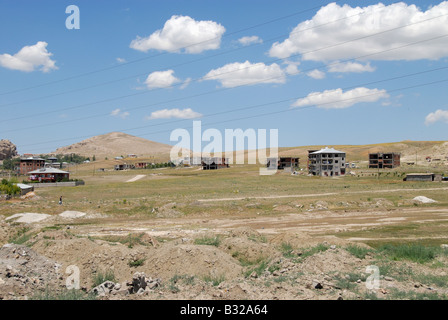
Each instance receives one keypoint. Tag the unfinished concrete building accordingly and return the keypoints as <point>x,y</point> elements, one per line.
<point>384,160</point>
<point>213,163</point>
<point>326,162</point>
<point>283,162</point>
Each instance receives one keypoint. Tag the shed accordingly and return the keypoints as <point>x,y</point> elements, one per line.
<point>419,177</point>
<point>24,188</point>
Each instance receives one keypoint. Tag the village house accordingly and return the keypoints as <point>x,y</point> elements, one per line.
<point>31,164</point>
<point>326,162</point>
<point>48,175</point>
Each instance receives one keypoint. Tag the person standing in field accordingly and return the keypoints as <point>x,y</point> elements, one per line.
<point>60,200</point>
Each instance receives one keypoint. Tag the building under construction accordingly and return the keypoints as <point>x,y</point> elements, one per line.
<point>384,160</point>
<point>283,162</point>
<point>213,163</point>
<point>326,162</point>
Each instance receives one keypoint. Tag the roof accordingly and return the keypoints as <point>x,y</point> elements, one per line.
<point>327,150</point>
<point>32,158</point>
<point>47,170</point>
<point>419,174</point>
<point>23,186</point>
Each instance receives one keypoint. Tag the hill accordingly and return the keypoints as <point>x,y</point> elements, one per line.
<point>115,144</point>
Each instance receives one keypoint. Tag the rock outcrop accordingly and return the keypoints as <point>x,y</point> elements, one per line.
<point>7,149</point>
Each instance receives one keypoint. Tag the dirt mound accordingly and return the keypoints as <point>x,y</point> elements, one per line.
<point>331,261</point>
<point>23,272</point>
<point>28,217</point>
<point>199,260</point>
<point>168,211</point>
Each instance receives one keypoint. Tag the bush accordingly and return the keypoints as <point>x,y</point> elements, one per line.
<point>101,277</point>
<point>210,241</point>
<point>9,188</point>
<point>357,251</point>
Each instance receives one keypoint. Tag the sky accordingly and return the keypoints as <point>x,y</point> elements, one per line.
<point>322,73</point>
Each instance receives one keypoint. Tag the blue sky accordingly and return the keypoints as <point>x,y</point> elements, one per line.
<point>322,73</point>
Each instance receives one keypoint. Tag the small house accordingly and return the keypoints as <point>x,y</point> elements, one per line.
<point>48,175</point>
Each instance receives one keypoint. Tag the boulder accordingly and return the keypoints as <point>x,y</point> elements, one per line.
<point>7,149</point>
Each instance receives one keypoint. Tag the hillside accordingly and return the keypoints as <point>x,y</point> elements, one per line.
<point>115,144</point>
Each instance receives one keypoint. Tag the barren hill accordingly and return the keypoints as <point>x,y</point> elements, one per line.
<point>115,144</point>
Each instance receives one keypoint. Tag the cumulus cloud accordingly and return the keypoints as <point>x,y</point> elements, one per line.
<point>161,79</point>
<point>30,58</point>
<point>309,37</point>
<point>316,74</point>
<point>350,67</point>
<point>182,34</point>
<point>187,113</point>
<point>245,41</point>
<point>439,115</point>
<point>238,74</point>
<point>337,99</point>
<point>121,60</point>
<point>117,113</point>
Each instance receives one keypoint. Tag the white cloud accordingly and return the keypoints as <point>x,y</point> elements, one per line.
<point>117,113</point>
<point>186,83</point>
<point>439,115</point>
<point>350,67</point>
<point>29,58</point>
<point>161,79</point>
<point>316,74</point>
<point>238,74</point>
<point>121,60</point>
<point>309,37</point>
<point>245,41</point>
<point>174,113</point>
<point>337,99</point>
<point>182,33</point>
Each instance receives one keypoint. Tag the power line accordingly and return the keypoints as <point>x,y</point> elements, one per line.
<point>214,91</point>
<point>159,54</point>
<point>191,61</point>
<point>259,115</point>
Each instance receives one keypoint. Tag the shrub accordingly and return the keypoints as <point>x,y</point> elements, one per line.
<point>101,277</point>
<point>358,251</point>
<point>210,241</point>
<point>136,263</point>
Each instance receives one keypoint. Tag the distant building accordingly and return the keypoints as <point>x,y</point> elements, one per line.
<point>141,165</point>
<point>48,175</point>
<point>419,177</point>
<point>123,166</point>
<point>326,162</point>
<point>213,163</point>
<point>384,160</point>
<point>283,162</point>
<point>31,164</point>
